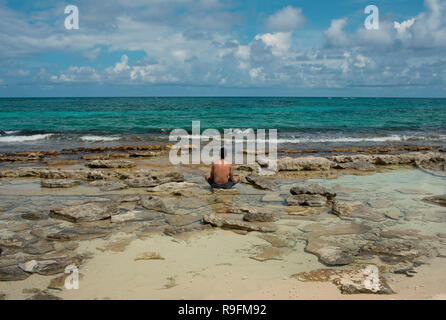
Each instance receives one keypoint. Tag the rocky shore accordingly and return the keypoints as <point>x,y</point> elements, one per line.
<point>96,193</point>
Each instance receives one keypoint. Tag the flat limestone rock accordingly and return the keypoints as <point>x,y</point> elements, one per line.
<point>135,215</point>
<point>155,203</point>
<point>39,247</point>
<point>414,191</point>
<point>149,256</point>
<point>59,183</point>
<point>183,220</point>
<point>261,216</point>
<point>275,241</point>
<point>12,273</point>
<point>360,165</point>
<point>440,200</point>
<point>153,179</point>
<point>313,189</point>
<point>329,254</point>
<point>227,223</point>
<point>268,254</point>
<point>32,216</point>
<point>85,212</point>
<point>43,295</point>
<point>347,281</point>
<point>342,208</point>
<point>172,187</point>
<point>394,214</point>
<point>311,200</point>
<point>272,197</point>
<point>61,236</point>
<point>110,164</point>
<point>260,182</point>
<point>303,163</point>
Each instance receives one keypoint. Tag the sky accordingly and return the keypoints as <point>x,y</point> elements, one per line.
<point>222,48</point>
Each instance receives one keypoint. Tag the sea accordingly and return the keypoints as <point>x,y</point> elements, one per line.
<point>28,124</point>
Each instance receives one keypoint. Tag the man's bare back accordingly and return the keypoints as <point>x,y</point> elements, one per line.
<point>222,174</point>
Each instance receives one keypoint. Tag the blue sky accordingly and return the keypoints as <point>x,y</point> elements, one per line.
<point>223,48</point>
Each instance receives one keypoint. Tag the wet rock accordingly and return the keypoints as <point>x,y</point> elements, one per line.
<point>303,163</point>
<point>364,212</point>
<point>58,183</point>
<point>393,251</point>
<point>155,203</point>
<point>130,198</point>
<point>311,200</point>
<point>313,189</point>
<point>154,179</point>
<point>12,273</point>
<point>104,156</point>
<point>393,213</point>
<point>440,200</point>
<point>347,281</point>
<point>414,191</point>
<point>110,164</point>
<point>228,223</point>
<point>109,185</point>
<point>328,254</point>
<point>51,266</point>
<point>260,216</point>
<point>61,236</point>
<point>437,217</point>
<point>85,212</point>
<point>172,187</point>
<point>342,208</point>
<point>272,197</point>
<point>275,241</point>
<point>179,221</point>
<point>432,164</point>
<point>269,254</point>
<point>32,216</point>
<point>360,165</point>
<point>176,230</point>
<point>39,247</point>
<point>379,203</point>
<point>145,154</point>
<point>135,215</point>
<point>260,182</point>
<point>44,296</point>
<point>149,256</point>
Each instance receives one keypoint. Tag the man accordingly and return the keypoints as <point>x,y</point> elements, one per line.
<point>222,176</point>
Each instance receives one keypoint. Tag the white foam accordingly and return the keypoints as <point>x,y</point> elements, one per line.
<point>99,138</point>
<point>330,139</point>
<point>25,138</point>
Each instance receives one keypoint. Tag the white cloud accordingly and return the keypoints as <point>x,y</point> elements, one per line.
<point>279,41</point>
<point>285,20</point>
<point>335,34</point>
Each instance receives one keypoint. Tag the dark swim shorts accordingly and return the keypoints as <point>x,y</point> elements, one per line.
<point>227,185</point>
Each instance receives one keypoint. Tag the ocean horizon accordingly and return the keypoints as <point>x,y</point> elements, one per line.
<point>303,121</point>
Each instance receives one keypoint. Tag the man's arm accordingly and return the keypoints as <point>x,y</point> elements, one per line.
<point>231,173</point>
<point>212,171</point>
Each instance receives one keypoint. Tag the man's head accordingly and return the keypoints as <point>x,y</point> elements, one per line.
<point>222,153</point>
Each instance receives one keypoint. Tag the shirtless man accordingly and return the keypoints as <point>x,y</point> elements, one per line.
<point>221,176</point>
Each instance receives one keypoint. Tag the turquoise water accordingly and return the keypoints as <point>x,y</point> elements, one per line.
<point>298,120</point>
